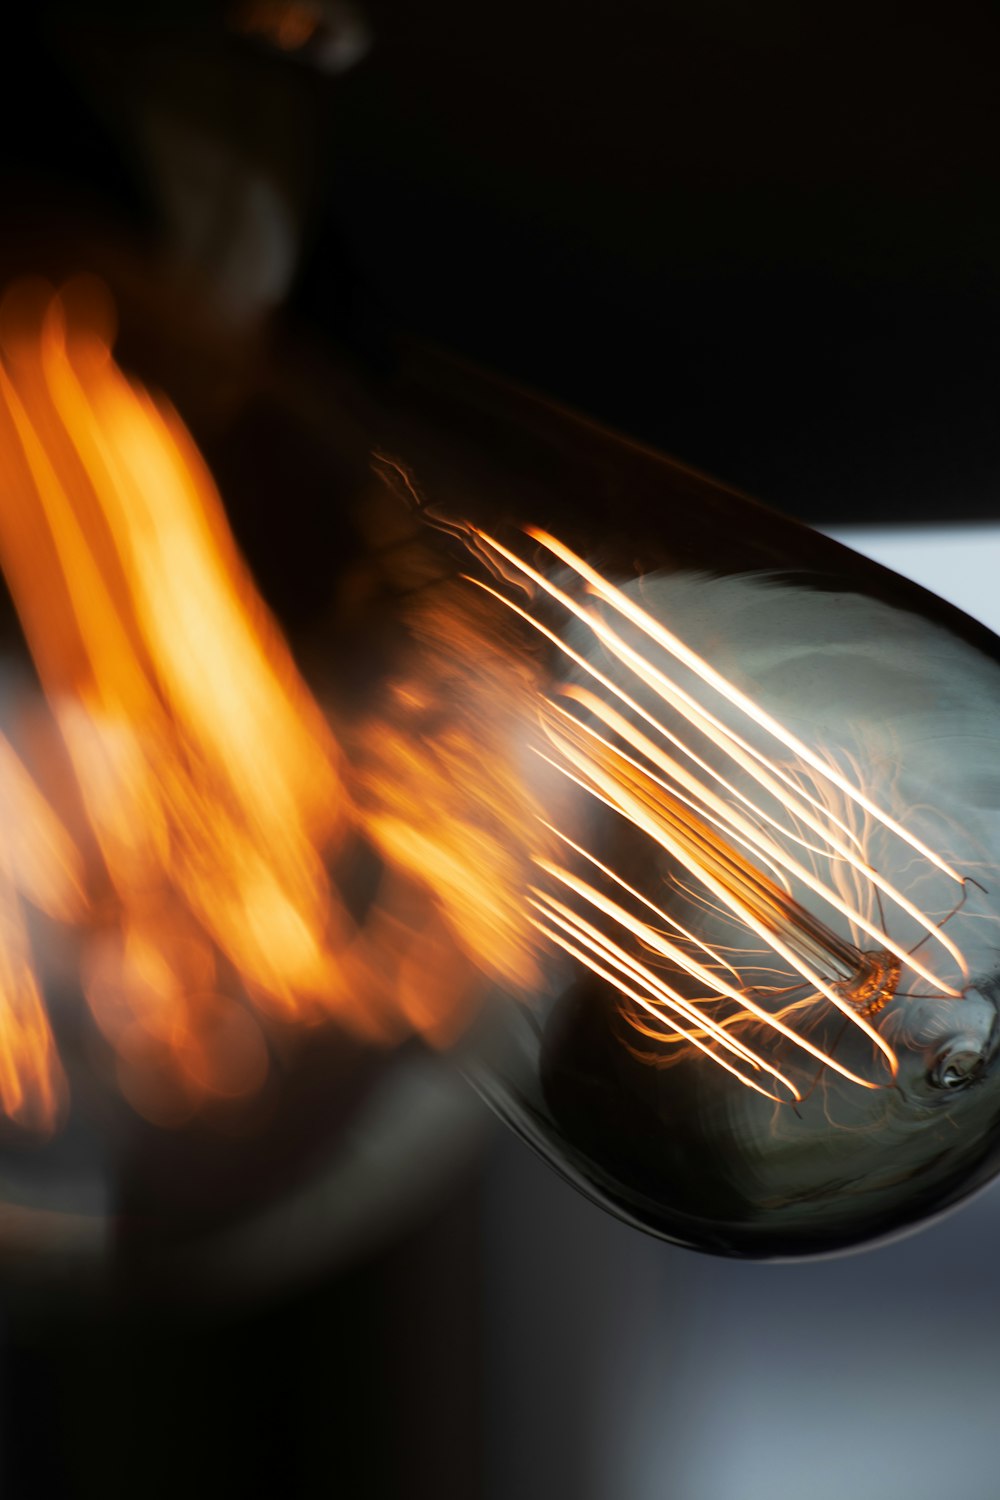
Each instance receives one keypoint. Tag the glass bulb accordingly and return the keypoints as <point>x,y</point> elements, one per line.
<point>767,896</point>
<point>682,1128</point>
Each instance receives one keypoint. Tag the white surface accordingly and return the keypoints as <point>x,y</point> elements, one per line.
<point>961,563</point>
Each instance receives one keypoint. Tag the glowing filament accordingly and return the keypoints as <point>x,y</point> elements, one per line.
<point>740,854</point>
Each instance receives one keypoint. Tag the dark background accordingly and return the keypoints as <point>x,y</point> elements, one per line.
<point>765,238</point>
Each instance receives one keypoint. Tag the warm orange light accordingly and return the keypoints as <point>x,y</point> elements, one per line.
<point>654,769</point>
<point>444,778</point>
<point>207,789</point>
<point>289,24</point>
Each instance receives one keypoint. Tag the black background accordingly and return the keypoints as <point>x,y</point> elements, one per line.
<point>765,238</point>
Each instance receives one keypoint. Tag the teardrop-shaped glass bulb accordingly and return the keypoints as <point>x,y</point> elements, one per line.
<point>765,889</point>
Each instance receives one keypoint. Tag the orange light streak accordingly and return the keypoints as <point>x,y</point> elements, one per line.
<point>652,939</point>
<point>632,808</point>
<point>725,739</point>
<point>748,762</point>
<point>767,848</point>
<point>678,927</point>
<point>682,653</point>
<point>572,923</point>
<point>717,833</point>
<point>592,963</point>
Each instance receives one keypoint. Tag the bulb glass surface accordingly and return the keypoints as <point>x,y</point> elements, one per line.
<point>890,1113</point>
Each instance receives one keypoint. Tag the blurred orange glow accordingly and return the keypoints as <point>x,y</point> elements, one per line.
<point>446,785</point>
<point>208,792</point>
<point>289,25</point>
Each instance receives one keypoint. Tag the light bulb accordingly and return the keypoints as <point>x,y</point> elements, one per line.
<point>766,884</point>
<point>778,1028</point>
